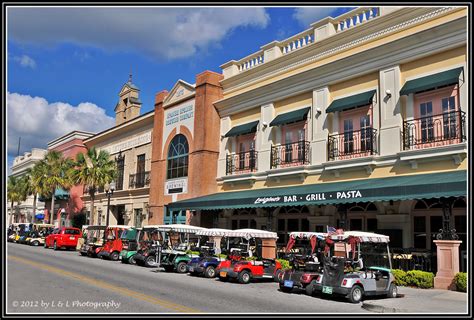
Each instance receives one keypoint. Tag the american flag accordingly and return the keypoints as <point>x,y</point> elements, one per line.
<point>330,230</point>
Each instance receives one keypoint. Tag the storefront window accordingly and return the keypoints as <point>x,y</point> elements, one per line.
<point>419,228</point>
<point>178,154</point>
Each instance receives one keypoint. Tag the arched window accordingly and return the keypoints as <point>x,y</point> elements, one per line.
<point>178,155</point>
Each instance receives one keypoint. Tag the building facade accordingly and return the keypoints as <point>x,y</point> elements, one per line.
<point>358,122</point>
<point>185,148</point>
<point>67,203</point>
<point>24,211</point>
<point>129,145</point>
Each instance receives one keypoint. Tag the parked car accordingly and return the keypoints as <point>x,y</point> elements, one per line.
<point>359,265</point>
<point>305,260</point>
<point>64,237</point>
<point>113,243</point>
<point>244,262</point>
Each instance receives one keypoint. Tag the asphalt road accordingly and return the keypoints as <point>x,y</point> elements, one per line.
<point>44,280</point>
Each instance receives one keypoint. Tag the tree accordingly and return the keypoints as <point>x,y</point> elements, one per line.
<point>94,170</point>
<point>56,174</point>
<point>13,193</point>
<point>37,175</point>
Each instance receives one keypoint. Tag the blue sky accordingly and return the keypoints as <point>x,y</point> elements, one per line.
<point>67,65</point>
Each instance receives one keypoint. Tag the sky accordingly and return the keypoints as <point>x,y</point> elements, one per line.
<point>66,65</point>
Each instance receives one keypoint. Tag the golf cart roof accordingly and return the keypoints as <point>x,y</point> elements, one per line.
<point>252,233</point>
<point>46,225</point>
<point>120,226</point>
<point>214,232</point>
<point>308,235</point>
<point>362,236</point>
<point>96,227</point>
<point>180,228</point>
<point>154,226</point>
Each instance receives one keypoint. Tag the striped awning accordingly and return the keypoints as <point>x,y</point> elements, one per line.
<point>252,233</point>
<point>181,228</point>
<point>307,235</point>
<point>213,232</point>
<point>362,236</point>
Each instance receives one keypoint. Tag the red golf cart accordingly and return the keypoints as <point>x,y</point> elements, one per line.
<point>113,245</point>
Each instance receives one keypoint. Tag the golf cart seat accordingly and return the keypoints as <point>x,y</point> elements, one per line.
<point>312,266</point>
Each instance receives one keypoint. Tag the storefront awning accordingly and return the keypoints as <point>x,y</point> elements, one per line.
<point>242,129</point>
<point>407,187</point>
<point>290,117</point>
<point>430,82</point>
<point>358,100</point>
<point>59,194</point>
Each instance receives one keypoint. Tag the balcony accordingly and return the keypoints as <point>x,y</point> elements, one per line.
<point>242,162</point>
<point>352,144</point>
<point>433,131</point>
<point>290,154</point>
<point>139,180</point>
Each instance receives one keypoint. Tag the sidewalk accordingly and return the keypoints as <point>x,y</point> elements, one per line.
<point>420,301</point>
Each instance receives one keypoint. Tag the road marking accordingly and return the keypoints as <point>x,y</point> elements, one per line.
<point>105,285</point>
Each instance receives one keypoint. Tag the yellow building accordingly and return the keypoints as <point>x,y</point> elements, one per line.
<point>358,122</point>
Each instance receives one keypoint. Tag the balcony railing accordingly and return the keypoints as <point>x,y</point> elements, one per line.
<point>352,144</point>
<point>290,154</point>
<point>139,180</point>
<point>431,131</point>
<point>242,162</point>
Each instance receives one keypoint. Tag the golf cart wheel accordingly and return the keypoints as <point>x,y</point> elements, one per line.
<point>35,243</point>
<point>244,277</point>
<point>181,267</point>
<point>83,253</point>
<point>223,279</point>
<point>210,272</point>
<point>114,256</point>
<point>310,288</point>
<point>356,294</point>
<point>285,289</point>
<point>150,261</point>
<point>55,246</point>
<point>392,291</point>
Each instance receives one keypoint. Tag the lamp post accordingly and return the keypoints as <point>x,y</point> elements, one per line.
<point>109,191</point>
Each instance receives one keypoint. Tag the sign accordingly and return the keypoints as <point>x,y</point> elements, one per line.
<point>179,115</point>
<point>311,197</point>
<point>176,186</point>
<point>130,143</point>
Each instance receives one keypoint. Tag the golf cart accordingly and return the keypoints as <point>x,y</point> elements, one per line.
<point>358,265</point>
<point>92,240</point>
<point>246,260</point>
<point>129,245</point>
<point>210,253</point>
<point>39,233</point>
<point>305,257</point>
<point>181,240</point>
<point>81,241</point>
<point>149,240</point>
<point>113,242</point>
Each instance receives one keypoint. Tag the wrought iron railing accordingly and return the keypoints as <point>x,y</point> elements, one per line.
<point>352,144</point>
<point>430,131</point>
<point>413,259</point>
<point>242,162</point>
<point>290,154</point>
<point>139,180</point>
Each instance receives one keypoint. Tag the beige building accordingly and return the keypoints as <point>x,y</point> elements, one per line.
<point>24,212</point>
<point>129,144</point>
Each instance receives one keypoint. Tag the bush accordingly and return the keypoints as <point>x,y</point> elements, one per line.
<point>222,256</point>
<point>285,264</point>
<point>461,281</point>
<point>400,277</point>
<point>419,279</point>
<point>78,220</point>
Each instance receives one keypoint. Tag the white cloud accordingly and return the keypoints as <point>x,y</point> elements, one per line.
<point>158,32</point>
<point>25,61</point>
<point>308,15</point>
<point>38,122</point>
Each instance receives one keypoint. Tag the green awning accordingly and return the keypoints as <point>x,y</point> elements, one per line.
<point>289,117</point>
<point>407,187</point>
<point>242,129</point>
<point>358,100</point>
<point>59,194</point>
<point>431,82</point>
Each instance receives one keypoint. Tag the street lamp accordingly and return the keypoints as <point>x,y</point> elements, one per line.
<point>109,191</point>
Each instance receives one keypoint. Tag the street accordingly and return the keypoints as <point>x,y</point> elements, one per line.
<point>44,280</point>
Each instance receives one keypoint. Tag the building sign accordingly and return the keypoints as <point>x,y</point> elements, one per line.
<point>129,143</point>
<point>176,186</point>
<point>180,114</point>
<point>311,197</point>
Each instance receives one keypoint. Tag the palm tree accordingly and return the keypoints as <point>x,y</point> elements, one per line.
<point>13,193</point>
<point>94,170</point>
<point>36,183</point>
<point>55,174</point>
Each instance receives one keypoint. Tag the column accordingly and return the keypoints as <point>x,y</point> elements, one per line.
<point>264,137</point>
<point>320,130</point>
<point>224,146</point>
<point>391,120</point>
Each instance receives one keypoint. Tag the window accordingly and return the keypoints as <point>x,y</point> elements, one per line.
<point>426,112</point>
<point>348,136</point>
<point>140,179</point>
<point>120,168</point>
<point>449,117</point>
<point>178,157</point>
<point>365,134</point>
<point>419,230</point>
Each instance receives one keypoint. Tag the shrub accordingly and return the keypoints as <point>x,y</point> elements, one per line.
<point>285,264</point>
<point>400,277</point>
<point>78,220</point>
<point>420,279</point>
<point>461,281</point>
<point>222,256</point>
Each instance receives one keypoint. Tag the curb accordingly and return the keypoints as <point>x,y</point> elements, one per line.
<point>381,309</point>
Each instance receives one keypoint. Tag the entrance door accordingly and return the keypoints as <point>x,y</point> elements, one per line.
<point>120,214</point>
